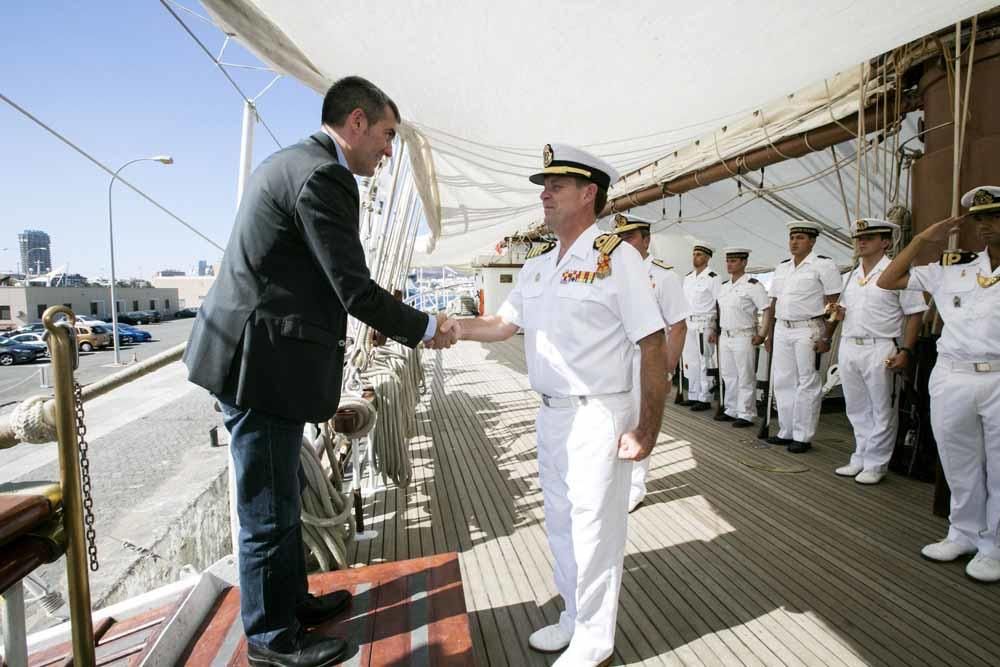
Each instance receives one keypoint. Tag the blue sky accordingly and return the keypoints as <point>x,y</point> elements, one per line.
<point>123,80</point>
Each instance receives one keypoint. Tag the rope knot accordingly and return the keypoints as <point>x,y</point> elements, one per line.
<point>28,421</point>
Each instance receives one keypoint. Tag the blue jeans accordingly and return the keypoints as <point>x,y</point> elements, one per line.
<point>265,453</point>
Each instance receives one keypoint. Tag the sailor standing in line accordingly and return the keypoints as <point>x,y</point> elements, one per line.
<point>965,383</point>
<point>740,299</point>
<point>701,288</point>
<point>802,288</point>
<point>583,321</point>
<point>669,294</point>
<point>869,356</point>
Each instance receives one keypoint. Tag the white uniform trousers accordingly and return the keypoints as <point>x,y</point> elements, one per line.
<point>868,386</point>
<point>640,469</point>
<point>736,357</point>
<point>965,416</point>
<point>696,364</point>
<point>797,388</point>
<point>585,489</point>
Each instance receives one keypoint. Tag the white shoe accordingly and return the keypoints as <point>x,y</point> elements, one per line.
<point>945,551</point>
<point>983,568</point>
<point>633,504</point>
<point>869,477</point>
<point>850,470</point>
<point>550,639</point>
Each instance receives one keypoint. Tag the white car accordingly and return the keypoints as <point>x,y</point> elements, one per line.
<point>32,340</point>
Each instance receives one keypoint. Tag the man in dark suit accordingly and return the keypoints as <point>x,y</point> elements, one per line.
<point>269,343</point>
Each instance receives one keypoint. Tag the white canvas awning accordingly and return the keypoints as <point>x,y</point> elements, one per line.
<point>483,86</point>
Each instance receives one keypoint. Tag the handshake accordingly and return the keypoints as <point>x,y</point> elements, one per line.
<point>448,333</point>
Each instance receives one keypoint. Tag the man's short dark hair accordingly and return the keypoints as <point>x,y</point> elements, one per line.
<point>600,199</point>
<point>355,92</point>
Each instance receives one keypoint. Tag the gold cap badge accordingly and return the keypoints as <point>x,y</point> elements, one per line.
<point>547,155</point>
<point>983,198</point>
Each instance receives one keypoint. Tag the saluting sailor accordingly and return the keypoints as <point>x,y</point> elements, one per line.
<point>741,298</point>
<point>669,294</point>
<point>701,288</point>
<point>583,321</point>
<point>802,288</point>
<point>879,333</point>
<point>965,383</point>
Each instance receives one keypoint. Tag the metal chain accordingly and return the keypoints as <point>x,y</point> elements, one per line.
<point>88,501</point>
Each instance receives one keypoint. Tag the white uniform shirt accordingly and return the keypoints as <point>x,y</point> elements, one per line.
<point>739,302</point>
<point>580,337</point>
<point>971,314</point>
<point>701,290</point>
<point>668,291</point>
<point>872,312</point>
<point>800,289</point>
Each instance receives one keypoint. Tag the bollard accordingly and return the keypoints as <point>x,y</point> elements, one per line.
<point>213,436</point>
<point>43,381</point>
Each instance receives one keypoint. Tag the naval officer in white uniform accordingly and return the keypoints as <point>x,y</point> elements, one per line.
<point>880,329</point>
<point>583,322</point>
<point>802,288</point>
<point>741,298</point>
<point>669,294</point>
<point>965,383</point>
<point>701,288</point>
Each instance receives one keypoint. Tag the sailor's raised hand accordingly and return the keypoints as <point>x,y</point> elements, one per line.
<point>941,230</point>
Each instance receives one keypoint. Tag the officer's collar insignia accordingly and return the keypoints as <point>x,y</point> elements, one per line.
<point>953,257</point>
<point>578,276</point>
<point>605,244</point>
<point>662,265</point>
<point>547,155</point>
<point>987,281</point>
<point>983,198</point>
<point>539,248</point>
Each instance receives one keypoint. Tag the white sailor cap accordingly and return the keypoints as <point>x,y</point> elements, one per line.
<point>983,198</point>
<point>626,222</point>
<point>703,247</point>
<point>803,227</point>
<point>867,226</point>
<point>560,159</point>
<point>742,253</point>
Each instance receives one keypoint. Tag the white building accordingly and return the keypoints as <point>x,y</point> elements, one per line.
<point>24,305</point>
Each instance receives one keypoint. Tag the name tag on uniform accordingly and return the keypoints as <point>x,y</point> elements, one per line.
<point>578,276</point>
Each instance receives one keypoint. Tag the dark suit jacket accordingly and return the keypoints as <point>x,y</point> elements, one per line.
<point>271,332</point>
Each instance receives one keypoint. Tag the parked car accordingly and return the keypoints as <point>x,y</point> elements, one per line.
<point>89,337</point>
<point>18,353</point>
<point>186,312</point>
<point>32,340</point>
<point>37,327</point>
<point>138,335</point>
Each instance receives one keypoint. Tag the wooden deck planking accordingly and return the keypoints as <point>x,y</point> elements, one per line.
<point>725,564</point>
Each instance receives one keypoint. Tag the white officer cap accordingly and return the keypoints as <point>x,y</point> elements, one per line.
<point>626,222</point>
<point>803,227</point>
<point>737,252</point>
<point>983,198</point>
<point>868,226</point>
<point>560,159</point>
<point>704,247</point>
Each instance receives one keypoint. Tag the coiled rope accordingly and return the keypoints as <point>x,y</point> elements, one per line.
<point>327,527</point>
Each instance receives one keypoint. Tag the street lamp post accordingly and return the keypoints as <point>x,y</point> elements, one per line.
<point>163,159</point>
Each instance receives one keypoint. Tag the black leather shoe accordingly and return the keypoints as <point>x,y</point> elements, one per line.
<point>742,423</point>
<point>314,610</point>
<point>723,418</point>
<point>313,651</point>
<point>700,406</point>
<point>687,403</point>
<point>796,447</point>
<point>775,440</point>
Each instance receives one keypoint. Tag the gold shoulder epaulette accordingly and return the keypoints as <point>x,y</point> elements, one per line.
<point>953,257</point>
<point>662,265</point>
<point>606,243</point>
<point>539,248</point>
